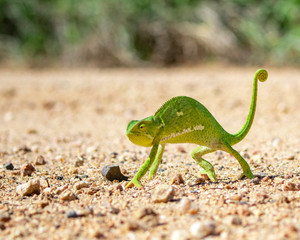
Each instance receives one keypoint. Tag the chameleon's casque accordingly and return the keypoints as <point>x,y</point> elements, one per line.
<point>185,120</point>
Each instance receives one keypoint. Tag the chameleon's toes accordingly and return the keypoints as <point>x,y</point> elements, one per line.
<point>134,182</point>
<point>210,174</point>
<point>247,174</point>
<point>150,177</point>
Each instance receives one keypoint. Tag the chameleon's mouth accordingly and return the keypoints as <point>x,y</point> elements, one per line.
<point>139,140</point>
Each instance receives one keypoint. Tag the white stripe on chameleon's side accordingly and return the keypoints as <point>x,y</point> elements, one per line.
<point>179,114</point>
<point>199,127</point>
<point>184,131</point>
<point>149,136</point>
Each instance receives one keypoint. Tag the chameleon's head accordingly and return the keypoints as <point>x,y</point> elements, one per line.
<point>143,132</point>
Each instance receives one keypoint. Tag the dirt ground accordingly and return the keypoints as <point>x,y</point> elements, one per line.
<point>59,128</point>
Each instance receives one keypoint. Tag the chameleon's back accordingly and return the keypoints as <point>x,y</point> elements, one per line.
<point>186,120</point>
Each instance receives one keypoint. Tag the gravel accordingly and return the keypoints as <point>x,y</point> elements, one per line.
<point>66,115</point>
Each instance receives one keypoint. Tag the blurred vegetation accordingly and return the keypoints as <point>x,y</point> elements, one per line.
<point>114,32</point>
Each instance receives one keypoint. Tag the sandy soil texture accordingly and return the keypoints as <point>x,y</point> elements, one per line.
<point>59,128</point>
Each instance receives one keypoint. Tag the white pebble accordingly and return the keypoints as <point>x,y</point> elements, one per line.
<point>163,193</point>
<point>8,116</point>
<point>202,229</point>
<point>179,235</point>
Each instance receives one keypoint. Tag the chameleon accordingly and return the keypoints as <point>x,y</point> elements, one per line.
<point>183,119</point>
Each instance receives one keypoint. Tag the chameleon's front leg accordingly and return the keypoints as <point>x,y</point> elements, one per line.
<point>144,168</point>
<point>156,162</point>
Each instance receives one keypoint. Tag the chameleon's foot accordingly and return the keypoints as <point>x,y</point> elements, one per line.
<point>211,174</point>
<point>248,174</point>
<point>134,182</point>
<point>151,175</point>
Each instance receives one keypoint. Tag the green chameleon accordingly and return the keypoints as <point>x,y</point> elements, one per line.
<point>185,120</point>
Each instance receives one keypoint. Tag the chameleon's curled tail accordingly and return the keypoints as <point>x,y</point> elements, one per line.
<point>261,75</point>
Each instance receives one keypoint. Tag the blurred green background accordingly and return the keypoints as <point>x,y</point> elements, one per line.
<point>149,32</point>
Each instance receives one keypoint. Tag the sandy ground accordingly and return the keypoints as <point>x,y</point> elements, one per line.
<point>76,121</point>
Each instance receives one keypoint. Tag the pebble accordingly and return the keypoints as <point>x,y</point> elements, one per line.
<point>180,235</point>
<point>163,193</point>
<point>91,149</point>
<point>78,162</point>
<point>40,160</point>
<point>68,195</point>
<point>199,180</point>
<point>146,217</point>
<point>9,166</point>
<point>4,217</point>
<point>141,213</point>
<point>3,154</point>
<point>233,220</point>
<point>255,181</point>
<point>59,177</point>
<point>29,188</point>
<point>23,149</point>
<point>119,187</point>
<point>81,184</point>
<point>275,142</point>
<point>291,157</point>
<point>220,168</point>
<point>185,205</point>
<point>112,172</point>
<point>205,177</point>
<point>177,180</point>
<point>27,169</point>
<point>72,214</point>
<point>290,186</point>
<point>43,203</point>
<point>113,154</point>
<point>181,149</point>
<point>202,229</point>
<point>258,197</point>
<point>73,171</point>
<point>60,189</point>
<point>8,116</point>
<point>114,210</point>
<point>132,225</point>
<point>280,199</point>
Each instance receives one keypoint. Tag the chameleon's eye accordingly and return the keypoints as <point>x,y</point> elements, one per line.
<point>142,126</point>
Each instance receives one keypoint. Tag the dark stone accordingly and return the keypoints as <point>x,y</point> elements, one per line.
<point>221,168</point>
<point>59,177</point>
<point>113,154</point>
<point>9,166</point>
<point>78,177</point>
<point>255,181</point>
<point>112,172</point>
<point>72,214</point>
<point>24,149</point>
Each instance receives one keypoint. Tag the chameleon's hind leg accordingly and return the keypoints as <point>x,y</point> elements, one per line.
<point>246,169</point>
<point>208,169</point>
<point>156,161</point>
